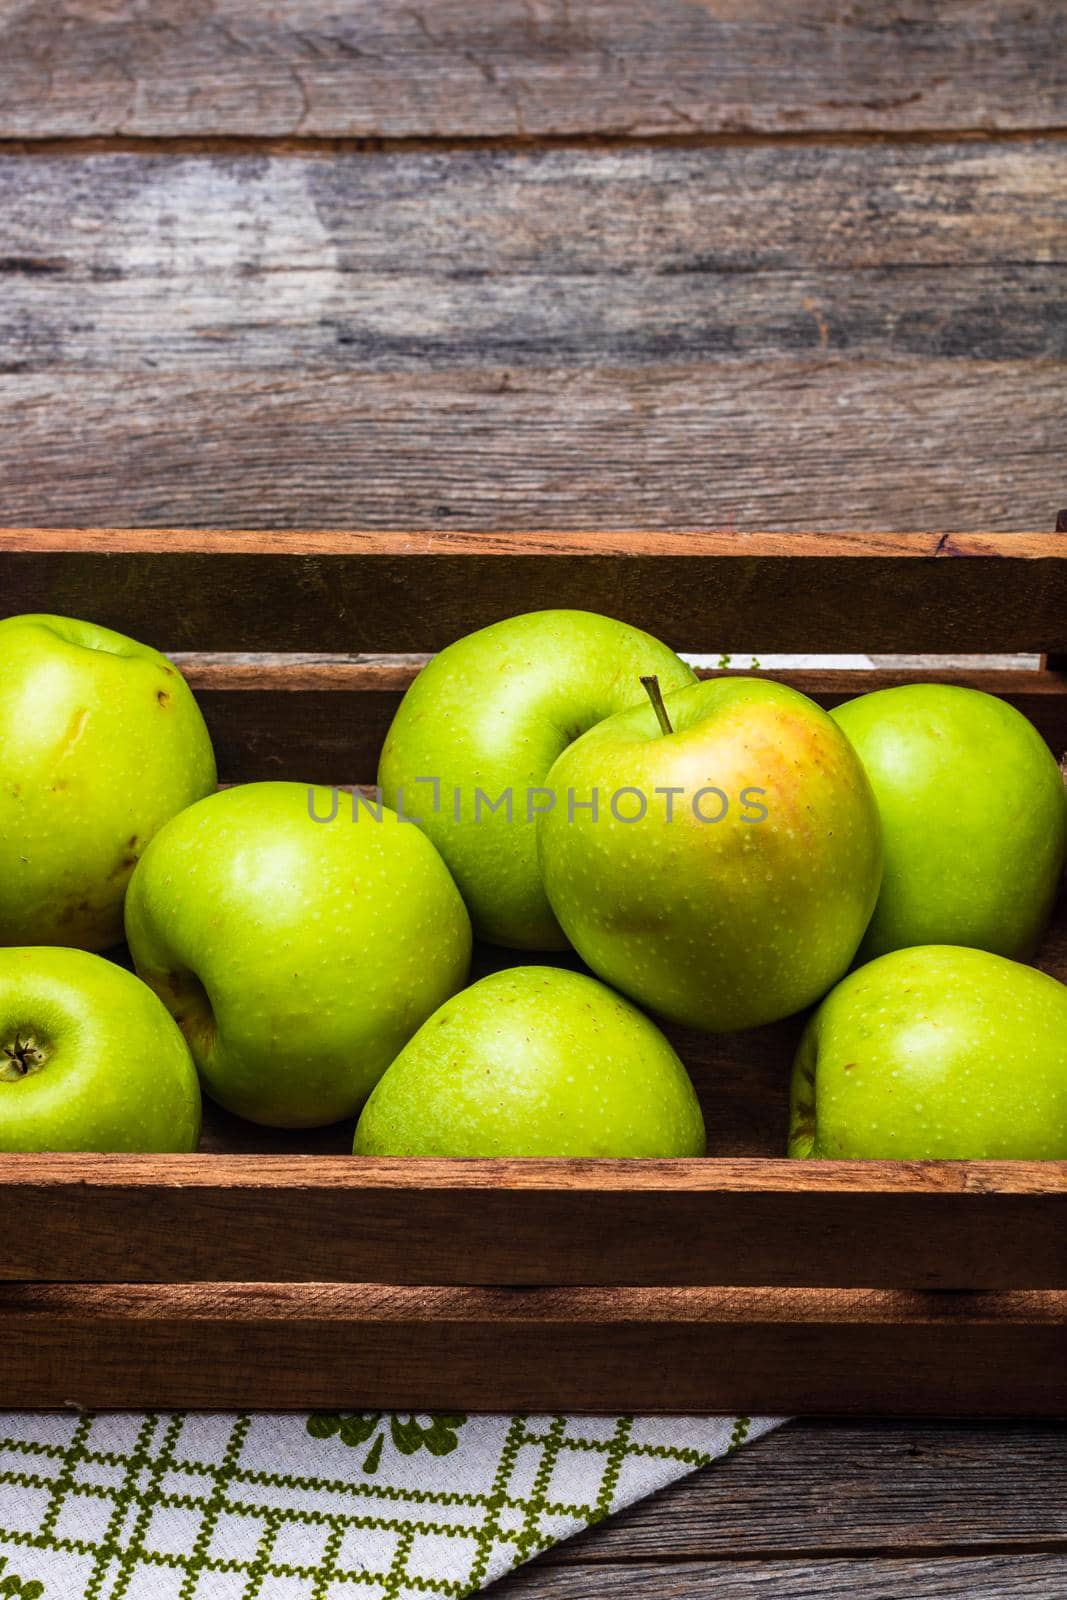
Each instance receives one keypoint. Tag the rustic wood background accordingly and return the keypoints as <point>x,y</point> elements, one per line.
<point>573,263</point>
<point>569,263</point>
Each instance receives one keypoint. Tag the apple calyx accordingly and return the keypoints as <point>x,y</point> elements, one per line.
<point>650,685</point>
<point>20,1056</point>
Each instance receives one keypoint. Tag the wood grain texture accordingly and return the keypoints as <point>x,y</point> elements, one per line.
<point>610,337</point>
<point>916,442</point>
<point>845,1488</point>
<point>368,592</point>
<point>1023,1576</point>
<point>872,1509</point>
<point>766,1222</point>
<point>553,258</point>
<point>507,548</point>
<point>290,1347</point>
<point>962,1508</point>
<point>474,67</point>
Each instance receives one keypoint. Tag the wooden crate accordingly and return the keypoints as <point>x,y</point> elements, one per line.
<point>275,1270</point>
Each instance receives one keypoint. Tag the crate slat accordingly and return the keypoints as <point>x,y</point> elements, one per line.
<point>325,723</point>
<point>980,1225</point>
<point>372,592</point>
<point>288,1347</point>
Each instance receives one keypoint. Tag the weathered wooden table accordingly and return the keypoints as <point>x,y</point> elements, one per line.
<point>569,263</point>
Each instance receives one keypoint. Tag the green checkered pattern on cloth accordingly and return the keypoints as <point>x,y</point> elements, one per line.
<point>356,1505</point>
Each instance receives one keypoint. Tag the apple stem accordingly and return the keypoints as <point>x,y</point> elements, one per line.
<point>655,694</point>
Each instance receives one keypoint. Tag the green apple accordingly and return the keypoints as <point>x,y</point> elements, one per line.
<point>937,1053</point>
<point>534,1061</point>
<point>102,743</point>
<point>299,938</point>
<point>480,727</point>
<point>728,873</point>
<point>89,1059</point>
<point>974,818</point>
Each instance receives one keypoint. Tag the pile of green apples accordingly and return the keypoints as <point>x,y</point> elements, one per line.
<point>720,854</point>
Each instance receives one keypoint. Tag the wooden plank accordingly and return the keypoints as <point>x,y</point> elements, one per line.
<point>288,342</point>
<point>820,1488</point>
<point>918,441</point>
<point>290,1347</point>
<point>442,317</point>
<point>981,1225</point>
<point>1021,1576</point>
<point>500,67</point>
<point>1014,551</point>
<point>325,723</point>
<point>369,592</point>
<point>626,258</point>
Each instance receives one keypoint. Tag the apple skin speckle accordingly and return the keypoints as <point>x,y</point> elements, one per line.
<point>492,712</point>
<point>937,1052</point>
<point>535,1061</point>
<point>110,1070</point>
<point>299,956</point>
<point>974,818</point>
<point>717,925</point>
<point>96,767</point>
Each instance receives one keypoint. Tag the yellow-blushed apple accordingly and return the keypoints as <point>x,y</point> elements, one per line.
<point>716,858</point>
